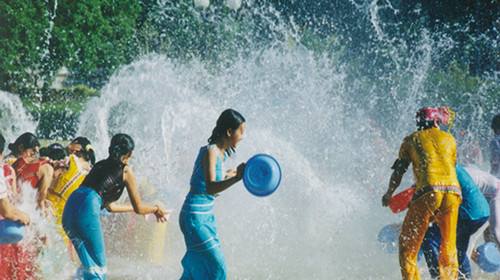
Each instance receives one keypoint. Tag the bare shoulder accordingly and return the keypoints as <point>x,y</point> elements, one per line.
<point>128,170</point>
<point>46,167</point>
<point>212,151</point>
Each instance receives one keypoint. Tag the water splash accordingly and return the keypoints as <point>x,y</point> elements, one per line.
<point>14,119</point>
<point>335,133</point>
<point>53,260</point>
<point>294,107</point>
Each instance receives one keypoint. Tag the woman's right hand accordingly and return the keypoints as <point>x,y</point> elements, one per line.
<point>161,214</point>
<point>386,199</point>
<point>24,219</point>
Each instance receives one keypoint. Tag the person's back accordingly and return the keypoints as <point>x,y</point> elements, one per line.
<point>106,178</point>
<point>432,153</point>
<point>198,182</point>
<point>487,183</point>
<point>437,197</point>
<point>474,205</point>
<point>27,171</point>
<point>67,182</point>
<point>489,186</point>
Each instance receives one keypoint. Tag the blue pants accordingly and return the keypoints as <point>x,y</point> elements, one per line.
<point>81,222</point>
<point>204,259</point>
<point>465,229</point>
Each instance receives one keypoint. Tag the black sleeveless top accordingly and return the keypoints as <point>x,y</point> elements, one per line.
<point>106,178</point>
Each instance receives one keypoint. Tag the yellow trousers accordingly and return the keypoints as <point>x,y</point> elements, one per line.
<point>438,207</point>
<point>57,211</point>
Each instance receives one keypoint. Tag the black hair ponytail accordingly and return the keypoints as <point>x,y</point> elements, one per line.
<point>54,151</point>
<point>27,140</point>
<point>88,152</point>
<point>121,144</point>
<point>229,119</point>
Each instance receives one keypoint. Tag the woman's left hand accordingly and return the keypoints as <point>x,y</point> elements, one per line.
<point>231,173</point>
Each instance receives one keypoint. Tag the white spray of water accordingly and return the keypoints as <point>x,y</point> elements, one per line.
<point>14,119</point>
<point>53,260</point>
<point>315,225</point>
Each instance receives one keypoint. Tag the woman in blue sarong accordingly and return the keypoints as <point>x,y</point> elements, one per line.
<point>204,258</point>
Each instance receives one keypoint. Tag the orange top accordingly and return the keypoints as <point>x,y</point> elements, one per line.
<point>433,154</point>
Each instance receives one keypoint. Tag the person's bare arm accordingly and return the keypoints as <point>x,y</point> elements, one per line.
<point>45,174</point>
<point>400,168</point>
<point>14,190</point>
<point>137,205</point>
<point>119,208</point>
<point>9,212</point>
<point>214,187</point>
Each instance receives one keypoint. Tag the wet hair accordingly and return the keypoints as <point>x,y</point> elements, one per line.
<point>44,152</point>
<point>229,119</point>
<point>27,140</point>
<point>2,143</point>
<point>54,151</point>
<point>425,125</point>
<point>121,144</point>
<point>87,152</point>
<point>495,123</point>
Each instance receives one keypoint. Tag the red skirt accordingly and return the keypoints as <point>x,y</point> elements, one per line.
<point>17,262</point>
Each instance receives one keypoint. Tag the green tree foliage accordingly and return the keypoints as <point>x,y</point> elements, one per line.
<point>181,30</point>
<point>93,37</point>
<point>23,25</point>
<point>90,37</point>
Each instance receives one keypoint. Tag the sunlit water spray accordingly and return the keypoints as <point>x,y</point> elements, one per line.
<point>301,107</point>
<point>323,221</point>
<point>314,225</point>
<point>14,120</point>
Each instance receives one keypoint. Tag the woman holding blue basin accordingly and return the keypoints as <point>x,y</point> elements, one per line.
<point>204,258</point>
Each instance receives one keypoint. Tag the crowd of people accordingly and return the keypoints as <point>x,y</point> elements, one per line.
<point>72,189</point>
<point>453,198</point>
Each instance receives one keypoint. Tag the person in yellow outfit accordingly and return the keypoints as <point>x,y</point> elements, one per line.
<point>81,158</point>
<point>432,152</point>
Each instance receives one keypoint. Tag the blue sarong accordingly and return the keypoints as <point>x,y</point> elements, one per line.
<point>204,258</point>
<point>81,222</point>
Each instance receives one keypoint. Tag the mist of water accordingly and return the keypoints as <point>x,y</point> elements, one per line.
<point>335,136</point>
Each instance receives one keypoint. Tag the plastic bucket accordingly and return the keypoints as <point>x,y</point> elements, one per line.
<point>262,175</point>
<point>489,257</point>
<point>10,231</point>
